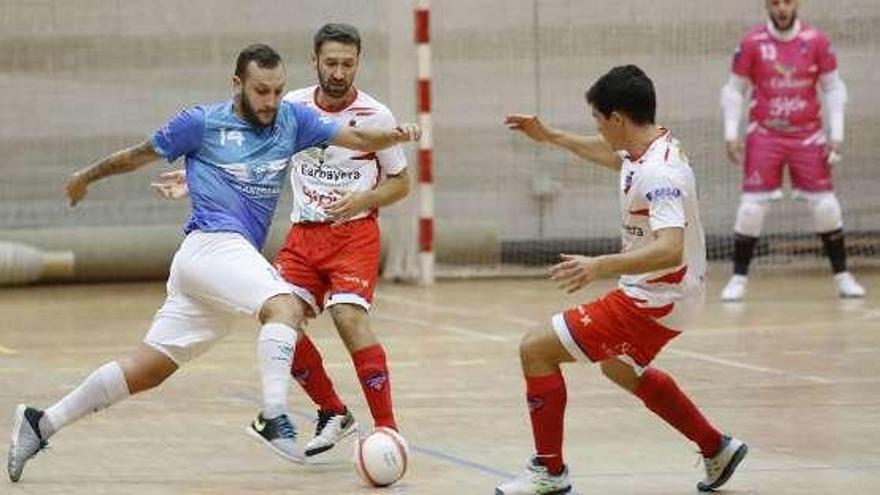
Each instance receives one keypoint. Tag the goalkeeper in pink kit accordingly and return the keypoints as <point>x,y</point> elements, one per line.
<point>786,63</point>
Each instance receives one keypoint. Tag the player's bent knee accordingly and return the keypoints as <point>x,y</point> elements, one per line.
<point>537,347</point>
<point>620,373</point>
<point>283,308</point>
<point>750,216</point>
<point>349,317</point>
<point>146,368</point>
<point>827,213</point>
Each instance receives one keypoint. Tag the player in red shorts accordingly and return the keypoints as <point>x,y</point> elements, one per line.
<point>784,61</point>
<point>331,255</point>
<point>662,270</point>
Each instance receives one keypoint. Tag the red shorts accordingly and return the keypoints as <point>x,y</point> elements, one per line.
<point>610,326</point>
<point>330,265</point>
<point>767,153</point>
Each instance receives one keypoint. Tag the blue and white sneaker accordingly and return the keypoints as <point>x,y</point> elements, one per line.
<point>278,434</point>
<point>26,440</point>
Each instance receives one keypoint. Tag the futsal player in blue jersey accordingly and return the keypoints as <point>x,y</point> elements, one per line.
<point>236,155</point>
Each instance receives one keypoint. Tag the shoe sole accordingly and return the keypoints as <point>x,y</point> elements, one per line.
<point>557,492</point>
<point>18,419</point>
<point>738,456</point>
<point>850,296</point>
<point>279,452</point>
<point>320,450</point>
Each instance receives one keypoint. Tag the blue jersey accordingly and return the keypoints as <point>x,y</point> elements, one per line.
<point>235,170</point>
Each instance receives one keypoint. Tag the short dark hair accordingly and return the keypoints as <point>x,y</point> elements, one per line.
<point>625,89</point>
<point>341,33</point>
<point>264,55</point>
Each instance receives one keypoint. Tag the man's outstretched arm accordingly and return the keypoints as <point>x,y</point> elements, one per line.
<point>593,148</point>
<point>122,161</point>
<point>373,139</point>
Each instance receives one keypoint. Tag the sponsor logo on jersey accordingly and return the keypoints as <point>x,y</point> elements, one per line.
<point>664,192</point>
<point>784,106</point>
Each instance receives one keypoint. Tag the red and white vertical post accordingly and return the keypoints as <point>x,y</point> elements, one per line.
<point>426,174</point>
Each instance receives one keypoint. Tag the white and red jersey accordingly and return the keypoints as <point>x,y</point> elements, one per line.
<point>658,190</point>
<point>320,176</point>
<point>784,74</point>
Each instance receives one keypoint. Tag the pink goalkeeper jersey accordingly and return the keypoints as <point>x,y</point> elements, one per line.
<point>320,176</point>
<point>784,75</point>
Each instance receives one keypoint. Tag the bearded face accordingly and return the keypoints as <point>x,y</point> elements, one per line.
<point>336,64</point>
<point>782,13</point>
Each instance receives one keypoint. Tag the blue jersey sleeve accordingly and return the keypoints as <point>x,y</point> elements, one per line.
<point>180,135</point>
<point>313,129</point>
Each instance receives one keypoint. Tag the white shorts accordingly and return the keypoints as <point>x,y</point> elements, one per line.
<point>213,276</point>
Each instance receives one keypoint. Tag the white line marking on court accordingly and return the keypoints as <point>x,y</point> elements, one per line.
<point>869,314</point>
<point>392,364</point>
<point>458,311</point>
<point>448,328</point>
<point>744,366</point>
<point>473,333</point>
<point>401,319</point>
<point>468,362</point>
<point>7,351</point>
<point>679,352</point>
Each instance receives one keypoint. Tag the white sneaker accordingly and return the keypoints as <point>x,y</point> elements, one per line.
<point>535,480</point>
<point>735,289</point>
<point>847,285</point>
<point>26,440</point>
<point>331,428</point>
<point>720,468</point>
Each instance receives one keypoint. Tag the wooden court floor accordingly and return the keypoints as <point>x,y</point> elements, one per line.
<point>793,371</point>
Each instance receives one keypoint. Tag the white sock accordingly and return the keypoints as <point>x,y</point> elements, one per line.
<point>275,355</point>
<point>103,388</point>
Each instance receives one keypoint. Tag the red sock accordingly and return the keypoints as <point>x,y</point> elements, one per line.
<point>546,397</point>
<point>661,394</point>
<point>372,371</point>
<point>308,370</point>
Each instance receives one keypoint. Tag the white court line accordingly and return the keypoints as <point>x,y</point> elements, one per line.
<point>457,311</point>
<point>7,351</point>
<point>468,362</point>
<point>448,328</point>
<point>693,355</point>
<point>392,364</point>
<point>744,366</point>
<point>474,333</point>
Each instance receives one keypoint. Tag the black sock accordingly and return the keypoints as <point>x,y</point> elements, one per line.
<point>743,250</point>
<point>835,250</point>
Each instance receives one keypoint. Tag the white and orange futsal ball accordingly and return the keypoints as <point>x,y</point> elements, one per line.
<point>381,457</point>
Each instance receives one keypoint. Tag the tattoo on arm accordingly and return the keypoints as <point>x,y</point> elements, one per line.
<point>121,162</point>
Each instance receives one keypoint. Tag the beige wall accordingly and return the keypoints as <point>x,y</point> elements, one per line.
<point>79,79</point>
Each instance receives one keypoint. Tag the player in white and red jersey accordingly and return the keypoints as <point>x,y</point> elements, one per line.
<point>785,61</point>
<point>331,255</point>
<point>662,270</point>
